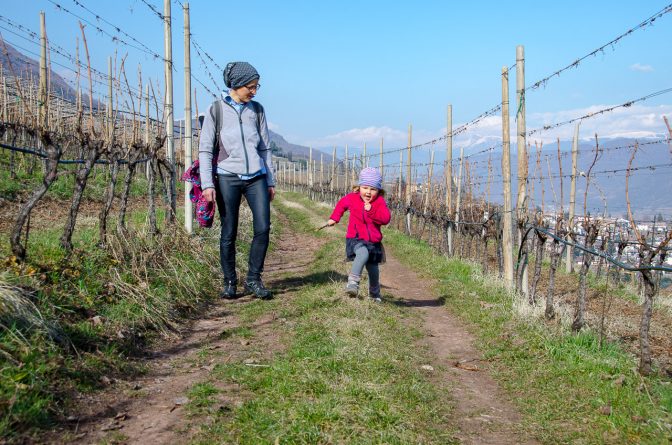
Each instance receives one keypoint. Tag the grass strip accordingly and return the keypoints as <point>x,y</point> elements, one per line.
<point>569,389</point>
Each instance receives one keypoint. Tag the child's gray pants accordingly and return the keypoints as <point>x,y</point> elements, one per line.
<point>361,258</point>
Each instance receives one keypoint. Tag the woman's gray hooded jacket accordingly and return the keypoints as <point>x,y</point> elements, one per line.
<point>244,142</point>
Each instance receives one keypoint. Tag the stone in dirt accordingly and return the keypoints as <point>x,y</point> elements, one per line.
<point>114,425</point>
<point>181,401</point>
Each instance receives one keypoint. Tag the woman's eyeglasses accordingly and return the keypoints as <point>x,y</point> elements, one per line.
<point>253,87</point>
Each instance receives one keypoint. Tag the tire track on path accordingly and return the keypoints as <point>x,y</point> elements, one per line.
<point>484,415</point>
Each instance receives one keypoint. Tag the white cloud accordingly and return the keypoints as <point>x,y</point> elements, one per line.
<point>642,68</point>
<point>273,126</point>
<point>636,121</point>
<point>358,136</point>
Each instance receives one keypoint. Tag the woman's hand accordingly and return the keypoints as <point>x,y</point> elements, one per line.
<point>331,222</point>
<point>209,194</point>
<point>271,193</point>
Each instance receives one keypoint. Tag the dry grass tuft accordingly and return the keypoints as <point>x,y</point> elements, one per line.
<point>19,312</point>
<point>160,276</point>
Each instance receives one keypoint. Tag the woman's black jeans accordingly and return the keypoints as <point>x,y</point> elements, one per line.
<point>255,190</point>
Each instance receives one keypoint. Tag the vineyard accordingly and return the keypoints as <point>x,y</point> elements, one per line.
<point>99,255</point>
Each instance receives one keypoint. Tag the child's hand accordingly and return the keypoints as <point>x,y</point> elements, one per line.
<point>367,206</point>
<point>331,222</point>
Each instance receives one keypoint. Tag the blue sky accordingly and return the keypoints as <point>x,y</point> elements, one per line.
<point>350,72</point>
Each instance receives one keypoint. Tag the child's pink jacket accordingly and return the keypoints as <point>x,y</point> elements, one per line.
<point>362,224</point>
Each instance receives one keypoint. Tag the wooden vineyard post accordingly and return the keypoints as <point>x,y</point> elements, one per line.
<point>429,181</point>
<point>43,102</point>
<point>381,160</point>
<point>521,143</point>
<point>569,261</point>
<point>459,196</point>
<point>310,167</point>
<point>365,159</point>
<point>169,116</point>
<point>449,177</point>
<point>346,162</point>
<point>409,188</point>
<point>5,110</point>
<point>332,183</point>
<point>507,236</point>
<point>188,219</point>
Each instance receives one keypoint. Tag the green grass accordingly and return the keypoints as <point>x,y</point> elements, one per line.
<point>561,382</point>
<point>350,372</point>
<point>140,293</point>
<point>61,189</point>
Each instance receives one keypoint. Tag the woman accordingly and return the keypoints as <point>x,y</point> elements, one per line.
<point>243,167</point>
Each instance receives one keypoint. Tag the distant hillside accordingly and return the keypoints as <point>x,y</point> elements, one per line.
<point>298,151</point>
<point>650,188</point>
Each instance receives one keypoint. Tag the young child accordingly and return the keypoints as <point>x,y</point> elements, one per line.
<point>368,211</point>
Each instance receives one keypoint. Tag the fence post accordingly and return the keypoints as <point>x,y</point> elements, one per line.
<point>429,180</point>
<point>365,159</point>
<point>43,102</point>
<point>346,181</point>
<point>569,261</point>
<point>110,123</point>
<point>522,167</point>
<point>148,165</point>
<point>169,116</point>
<point>449,176</point>
<point>381,160</point>
<point>459,197</point>
<point>188,218</point>
<point>310,167</point>
<point>408,180</point>
<point>332,183</point>
<point>401,174</point>
<point>507,236</point>
<point>5,99</point>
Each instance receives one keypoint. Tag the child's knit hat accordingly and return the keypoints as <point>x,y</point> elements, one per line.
<point>370,176</point>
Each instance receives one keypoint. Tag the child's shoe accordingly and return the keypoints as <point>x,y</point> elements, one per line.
<point>352,288</point>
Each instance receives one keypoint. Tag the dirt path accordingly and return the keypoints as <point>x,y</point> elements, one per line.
<point>483,414</point>
<point>151,409</point>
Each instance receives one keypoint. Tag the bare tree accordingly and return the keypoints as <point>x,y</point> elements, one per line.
<point>591,230</point>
